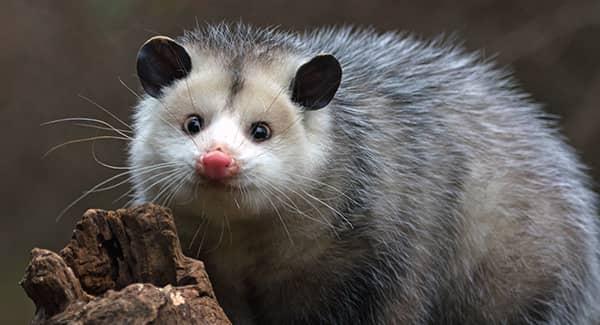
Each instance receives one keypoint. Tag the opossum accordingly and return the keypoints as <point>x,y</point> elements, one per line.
<point>348,176</point>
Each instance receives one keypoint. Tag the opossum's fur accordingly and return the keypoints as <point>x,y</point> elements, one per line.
<point>461,203</point>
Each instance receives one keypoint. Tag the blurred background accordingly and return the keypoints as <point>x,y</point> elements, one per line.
<point>56,52</point>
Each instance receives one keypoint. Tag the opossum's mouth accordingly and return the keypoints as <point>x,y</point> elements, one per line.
<point>219,185</point>
<point>237,185</point>
<point>230,185</point>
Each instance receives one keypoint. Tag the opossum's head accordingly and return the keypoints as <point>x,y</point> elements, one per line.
<point>221,132</point>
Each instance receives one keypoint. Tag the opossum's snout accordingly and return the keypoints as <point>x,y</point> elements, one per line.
<point>217,164</point>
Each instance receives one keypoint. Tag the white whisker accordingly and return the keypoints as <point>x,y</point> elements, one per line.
<point>88,119</point>
<point>111,114</point>
<point>279,216</point>
<point>100,137</point>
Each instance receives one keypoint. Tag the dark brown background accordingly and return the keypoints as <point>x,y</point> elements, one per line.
<point>54,50</point>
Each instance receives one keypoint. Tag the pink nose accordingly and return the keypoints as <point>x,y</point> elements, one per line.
<point>216,165</point>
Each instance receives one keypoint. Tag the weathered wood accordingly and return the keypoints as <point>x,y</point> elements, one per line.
<point>121,267</point>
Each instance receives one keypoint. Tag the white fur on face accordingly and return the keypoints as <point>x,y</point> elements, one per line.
<point>295,148</point>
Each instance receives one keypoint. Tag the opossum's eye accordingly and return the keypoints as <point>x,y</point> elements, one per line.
<point>260,131</point>
<point>193,124</point>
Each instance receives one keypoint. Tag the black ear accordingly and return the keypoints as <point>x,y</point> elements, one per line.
<point>316,82</point>
<point>161,61</point>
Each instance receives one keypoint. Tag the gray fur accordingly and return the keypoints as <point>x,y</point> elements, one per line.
<point>461,204</point>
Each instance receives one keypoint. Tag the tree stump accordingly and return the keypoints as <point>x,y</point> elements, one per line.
<point>121,267</point>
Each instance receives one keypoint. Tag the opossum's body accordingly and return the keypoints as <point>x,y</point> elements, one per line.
<point>428,191</point>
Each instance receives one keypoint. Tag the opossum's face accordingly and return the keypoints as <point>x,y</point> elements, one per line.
<point>218,137</point>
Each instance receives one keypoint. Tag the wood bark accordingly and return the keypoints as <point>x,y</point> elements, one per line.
<point>121,267</point>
